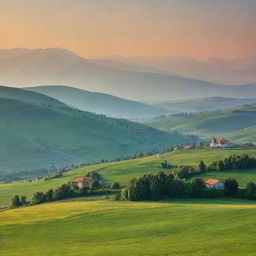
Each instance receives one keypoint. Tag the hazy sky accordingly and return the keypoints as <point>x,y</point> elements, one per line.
<point>195,28</point>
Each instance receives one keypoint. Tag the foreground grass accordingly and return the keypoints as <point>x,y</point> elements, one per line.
<point>184,227</point>
<point>123,171</point>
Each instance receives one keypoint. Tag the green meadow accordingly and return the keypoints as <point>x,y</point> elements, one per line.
<point>182,227</point>
<point>123,171</point>
<point>237,125</point>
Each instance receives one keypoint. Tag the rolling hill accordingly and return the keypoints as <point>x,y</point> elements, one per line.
<point>100,103</point>
<point>205,104</point>
<point>184,227</point>
<point>238,125</point>
<point>58,66</point>
<point>27,96</point>
<point>123,171</point>
<point>35,136</point>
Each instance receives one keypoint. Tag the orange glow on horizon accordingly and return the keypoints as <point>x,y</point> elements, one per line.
<point>131,29</point>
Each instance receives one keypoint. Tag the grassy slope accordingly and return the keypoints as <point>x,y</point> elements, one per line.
<point>191,227</point>
<point>27,96</point>
<point>236,125</point>
<point>123,171</point>
<point>99,102</point>
<point>34,136</point>
<point>205,104</point>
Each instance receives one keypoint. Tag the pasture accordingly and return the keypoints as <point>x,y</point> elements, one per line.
<point>123,171</point>
<point>182,227</point>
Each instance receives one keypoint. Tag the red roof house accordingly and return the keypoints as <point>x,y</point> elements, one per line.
<point>212,183</point>
<point>81,182</point>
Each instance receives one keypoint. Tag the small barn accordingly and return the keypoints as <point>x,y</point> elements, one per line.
<point>212,183</point>
<point>81,182</point>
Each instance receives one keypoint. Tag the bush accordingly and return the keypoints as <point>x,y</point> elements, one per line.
<point>115,185</point>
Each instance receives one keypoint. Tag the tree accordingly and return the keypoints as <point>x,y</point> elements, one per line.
<point>202,166</point>
<point>16,201</point>
<point>95,185</point>
<point>251,190</point>
<point>48,195</point>
<point>38,198</point>
<point>23,201</point>
<point>198,187</point>
<point>221,166</point>
<point>231,187</point>
<point>115,185</point>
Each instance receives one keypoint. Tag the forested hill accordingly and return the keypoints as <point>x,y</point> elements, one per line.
<point>36,136</point>
<point>237,125</point>
<point>27,96</point>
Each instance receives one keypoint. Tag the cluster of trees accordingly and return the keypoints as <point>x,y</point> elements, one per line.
<point>164,185</point>
<point>63,192</point>
<point>233,162</point>
<point>19,201</point>
<point>230,163</point>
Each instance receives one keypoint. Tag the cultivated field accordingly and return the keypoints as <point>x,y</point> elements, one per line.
<point>182,227</point>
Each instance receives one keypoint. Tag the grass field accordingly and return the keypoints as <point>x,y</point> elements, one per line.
<point>184,227</point>
<point>123,171</point>
<point>237,125</point>
<point>38,136</point>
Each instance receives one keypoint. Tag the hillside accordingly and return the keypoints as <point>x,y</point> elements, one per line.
<point>205,104</point>
<point>100,103</point>
<point>237,125</point>
<point>59,66</point>
<point>184,227</point>
<point>27,96</point>
<point>35,136</point>
<point>123,171</point>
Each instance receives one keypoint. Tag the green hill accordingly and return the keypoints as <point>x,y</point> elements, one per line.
<point>182,227</point>
<point>100,103</point>
<point>27,96</point>
<point>237,125</point>
<point>35,136</point>
<point>123,171</point>
<point>205,104</point>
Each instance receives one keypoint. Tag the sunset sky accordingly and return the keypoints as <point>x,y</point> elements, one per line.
<point>195,28</point>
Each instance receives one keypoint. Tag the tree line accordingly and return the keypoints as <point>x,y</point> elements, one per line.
<point>233,162</point>
<point>164,185</point>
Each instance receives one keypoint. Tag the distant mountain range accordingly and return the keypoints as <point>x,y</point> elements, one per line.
<point>237,125</point>
<point>22,67</point>
<point>100,103</point>
<point>224,71</point>
<point>205,104</point>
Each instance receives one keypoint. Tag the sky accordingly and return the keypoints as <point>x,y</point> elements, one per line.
<point>199,29</point>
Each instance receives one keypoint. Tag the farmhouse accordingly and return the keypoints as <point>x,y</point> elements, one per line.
<point>212,183</point>
<point>222,143</point>
<point>81,182</point>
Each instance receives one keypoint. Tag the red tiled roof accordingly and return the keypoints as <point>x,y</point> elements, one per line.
<point>82,179</point>
<point>223,141</point>
<point>212,182</point>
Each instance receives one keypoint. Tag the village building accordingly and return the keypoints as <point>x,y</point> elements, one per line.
<point>81,182</point>
<point>189,147</point>
<point>222,143</point>
<point>212,183</point>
